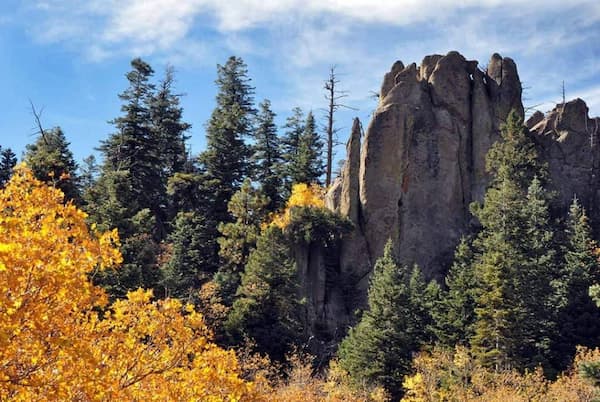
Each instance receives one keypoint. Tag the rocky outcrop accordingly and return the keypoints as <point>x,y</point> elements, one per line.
<point>423,157</point>
<point>567,141</point>
<point>422,163</point>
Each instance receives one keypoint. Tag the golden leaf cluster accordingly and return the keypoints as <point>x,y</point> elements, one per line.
<point>454,375</point>
<point>303,195</point>
<point>59,337</point>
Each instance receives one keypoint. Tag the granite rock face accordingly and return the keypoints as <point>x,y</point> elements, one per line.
<point>567,140</point>
<point>423,157</point>
<point>422,163</point>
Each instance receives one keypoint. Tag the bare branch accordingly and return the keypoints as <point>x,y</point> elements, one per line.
<point>37,116</point>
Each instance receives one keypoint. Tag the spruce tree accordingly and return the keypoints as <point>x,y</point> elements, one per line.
<point>294,128</point>
<point>248,207</point>
<point>88,175</point>
<point>51,161</point>
<point>268,307</point>
<point>130,193</point>
<point>193,253</point>
<point>580,317</point>
<point>378,350</point>
<point>536,280</point>
<point>309,159</point>
<point>131,154</point>
<point>456,313</point>
<point>190,261</point>
<point>8,160</point>
<point>266,156</point>
<point>226,155</point>
<point>168,127</point>
<point>516,265</point>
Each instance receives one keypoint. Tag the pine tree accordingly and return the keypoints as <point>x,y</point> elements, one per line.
<point>51,161</point>
<point>131,154</point>
<point>580,317</point>
<point>536,279</point>
<point>456,313</point>
<point>226,156</point>
<point>192,257</point>
<point>191,262</point>
<point>268,308</point>
<point>516,265</point>
<point>266,158</point>
<point>130,193</point>
<point>379,348</point>
<point>248,207</point>
<point>88,175</point>
<point>291,148</point>
<point>310,165</point>
<point>169,129</point>
<point>8,160</point>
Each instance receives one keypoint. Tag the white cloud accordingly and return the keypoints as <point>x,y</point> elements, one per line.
<point>301,38</point>
<point>155,25</point>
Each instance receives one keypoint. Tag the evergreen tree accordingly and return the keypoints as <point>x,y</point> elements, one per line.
<point>456,313</point>
<point>514,157</point>
<point>268,308</point>
<point>88,175</point>
<point>130,193</point>
<point>140,266</point>
<point>226,156</point>
<point>302,149</point>
<point>516,265</point>
<point>168,127</point>
<point>192,258</point>
<point>291,148</point>
<point>8,160</point>
<point>51,161</point>
<point>132,153</point>
<point>191,261</point>
<point>537,280</point>
<point>267,156</point>
<point>378,350</point>
<point>248,207</point>
<point>580,317</point>
<point>309,159</point>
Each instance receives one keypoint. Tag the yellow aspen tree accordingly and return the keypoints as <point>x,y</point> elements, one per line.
<point>60,340</point>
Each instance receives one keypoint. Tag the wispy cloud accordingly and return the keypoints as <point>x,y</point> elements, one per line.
<point>156,25</point>
<point>301,37</point>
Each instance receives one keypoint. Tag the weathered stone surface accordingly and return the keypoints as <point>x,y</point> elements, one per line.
<point>355,263</point>
<point>423,156</point>
<point>332,198</point>
<point>534,119</point>
<point>568,141</point>
<point>422,162</point>
<point>389,79</point>
<point>349,199</point>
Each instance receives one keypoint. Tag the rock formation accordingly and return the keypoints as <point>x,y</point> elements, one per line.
<point>567,140</point>
<point>422,161</point>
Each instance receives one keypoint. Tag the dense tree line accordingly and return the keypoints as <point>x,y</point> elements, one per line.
<point>515,298</point>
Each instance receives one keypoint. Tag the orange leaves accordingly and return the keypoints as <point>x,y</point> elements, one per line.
<point>58,338</point>
<point>302,195</point>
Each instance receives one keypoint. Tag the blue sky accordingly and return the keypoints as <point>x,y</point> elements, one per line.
<point>70,56</point>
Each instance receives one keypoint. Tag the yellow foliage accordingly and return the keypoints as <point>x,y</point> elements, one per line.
<point>445,375</point>
<point>302,385</point>
<point>59,340</point>
<point>303,195</point>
